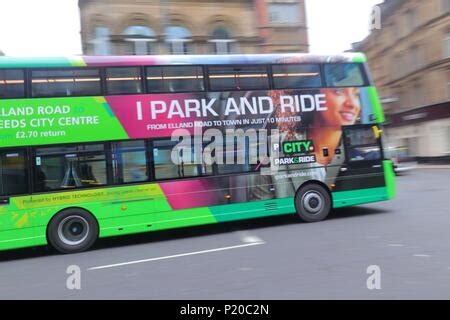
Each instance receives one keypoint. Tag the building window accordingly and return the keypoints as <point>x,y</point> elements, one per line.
<point>417,94</point>
<point>123,80</point>
<point>397,67</point>
<point>448,85</point>
<point>284,13</point>
<point>66,82</point>
<point>448,138</point>
<point>13,172</point>
<point>416,56</point>
<point>447,45</point>
<point>395,31</point>
<point>69,167</point>
<point>411,21</point>
<point>446,5</point>
<point>139,40</point>
<point>178,39</point>
<point>101,42</point>
<point>12,84</point>
<point>222,41</point>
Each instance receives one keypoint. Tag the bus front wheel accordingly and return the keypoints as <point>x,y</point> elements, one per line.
<point>312,203</point>
<point>72,230</point>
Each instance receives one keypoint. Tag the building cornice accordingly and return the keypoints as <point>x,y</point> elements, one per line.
<point>412,33</point>
<point>158,2</point>
<point>443,63</point>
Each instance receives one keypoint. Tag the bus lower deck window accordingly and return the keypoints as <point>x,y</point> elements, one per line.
<point>129,161</point>
<point>13,172</point>
<point>59,168</point>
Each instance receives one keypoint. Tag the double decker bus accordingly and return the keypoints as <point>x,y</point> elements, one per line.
<point>94,147</point>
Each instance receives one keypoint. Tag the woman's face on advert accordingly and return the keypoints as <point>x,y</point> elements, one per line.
<point>343,106</point>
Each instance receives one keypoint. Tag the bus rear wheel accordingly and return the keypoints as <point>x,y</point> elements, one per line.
<point>72,230</point>
<point>313,203</point>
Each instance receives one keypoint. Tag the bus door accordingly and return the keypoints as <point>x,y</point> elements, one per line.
<point>13,181</point>
<point>363,145</point>
<point>363,166</point>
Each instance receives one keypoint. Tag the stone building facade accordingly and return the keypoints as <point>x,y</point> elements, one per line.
<point>192,26</point>
<point>410,61</point>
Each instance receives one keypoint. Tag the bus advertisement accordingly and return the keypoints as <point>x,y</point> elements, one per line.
<point>103,146</point>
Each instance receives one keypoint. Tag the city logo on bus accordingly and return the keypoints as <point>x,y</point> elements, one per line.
<point>298,147</point>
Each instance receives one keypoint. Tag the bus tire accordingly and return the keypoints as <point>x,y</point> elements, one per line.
<point>72,230</point>
<point>312,203</point>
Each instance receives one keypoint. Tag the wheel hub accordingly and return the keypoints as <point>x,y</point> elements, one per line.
<point>73,230</point>
<point>313,202</point>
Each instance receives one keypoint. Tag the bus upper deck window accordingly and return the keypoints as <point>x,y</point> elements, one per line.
<point>66,82</point>
<point>11,84</point>
<point>296,76</point>
<point>120,80</point>
<point>175,79</point>
<point>229,78</point>
<point>344,75</point>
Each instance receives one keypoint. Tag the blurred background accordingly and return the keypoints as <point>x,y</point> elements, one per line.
<point>408,47</point>
<point>409,56</point>
<point>407,43</point>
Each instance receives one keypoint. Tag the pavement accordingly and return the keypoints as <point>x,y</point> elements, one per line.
<point>398,249</point>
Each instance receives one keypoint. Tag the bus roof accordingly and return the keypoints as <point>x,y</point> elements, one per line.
<point>137,60</point>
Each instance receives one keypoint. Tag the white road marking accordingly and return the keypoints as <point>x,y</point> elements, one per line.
<point>248,238</point>
<point>396,245</point>
<point>245,269</point>
<point>422,255</point>
<point>176,256</point>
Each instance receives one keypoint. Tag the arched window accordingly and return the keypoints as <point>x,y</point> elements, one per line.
<point>446,5</point>
<point>178,38</point>
<point>447,44</point>
<point>222,41</point>
<point>139,39</point>
<point>101,42</point>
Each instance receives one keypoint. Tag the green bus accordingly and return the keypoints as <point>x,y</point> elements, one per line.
<point>94,147</point>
